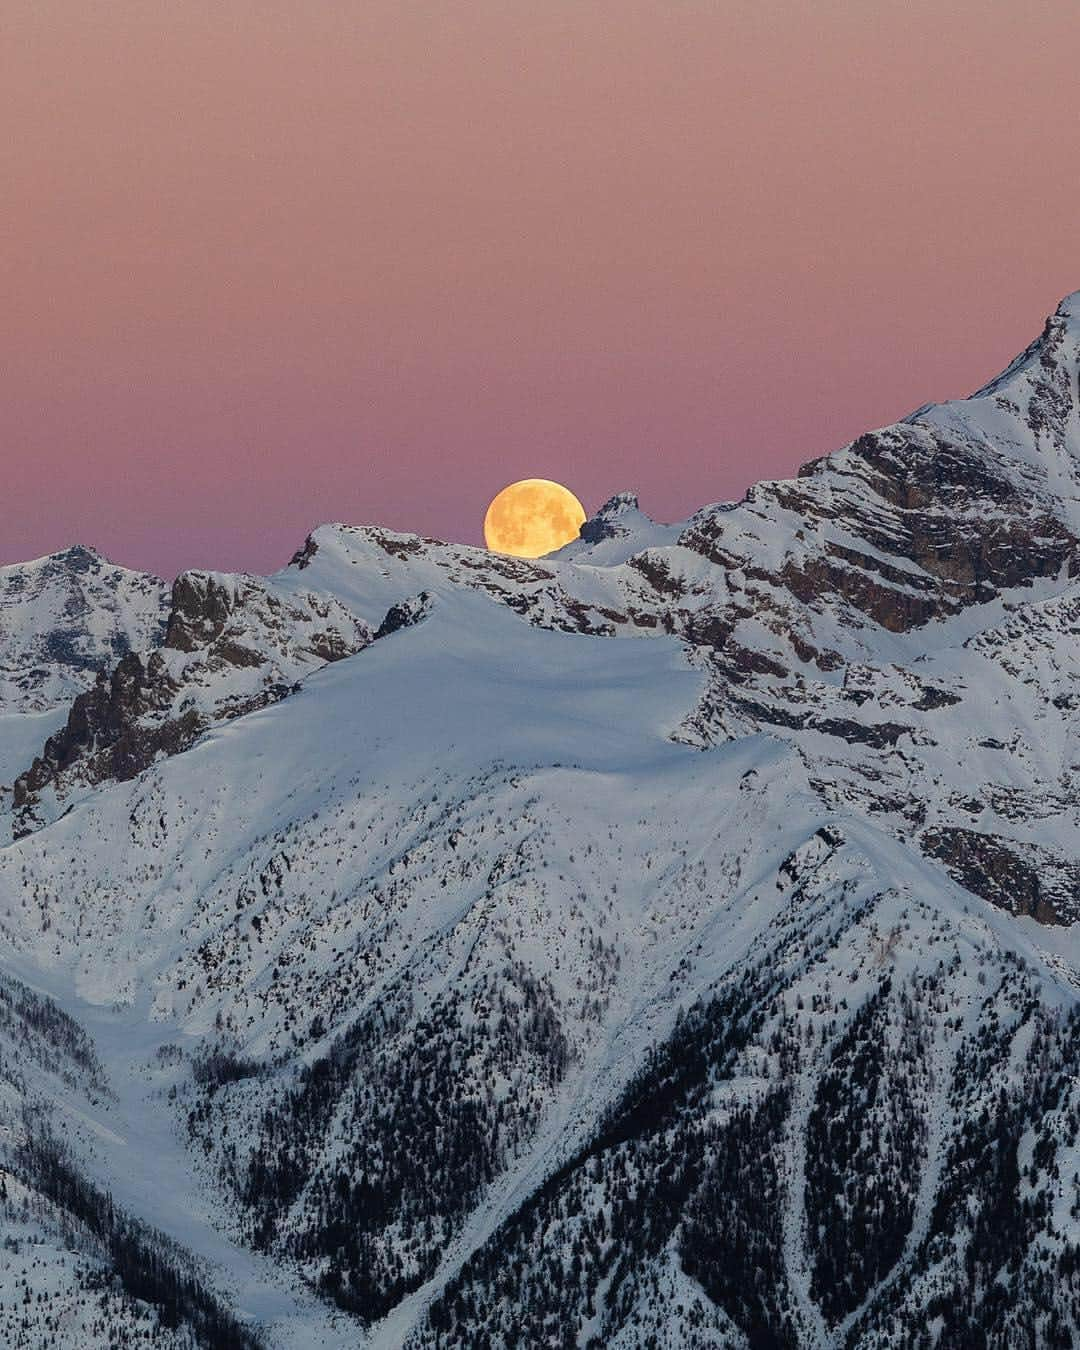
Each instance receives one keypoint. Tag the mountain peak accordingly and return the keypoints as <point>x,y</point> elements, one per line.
<point>619,503</point>
<point>617,516</point>
<point>66,618</point>
<point>1070,307</point>
<point>79,557</point>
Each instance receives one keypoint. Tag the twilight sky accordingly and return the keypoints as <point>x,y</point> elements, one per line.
<point>265,263</point>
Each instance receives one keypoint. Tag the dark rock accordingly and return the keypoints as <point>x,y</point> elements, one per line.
<point>1030,882</point>
<point>605,524</point>
<point>404,615</point>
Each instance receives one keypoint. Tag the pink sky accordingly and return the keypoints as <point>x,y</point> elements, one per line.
<point>266,263</point>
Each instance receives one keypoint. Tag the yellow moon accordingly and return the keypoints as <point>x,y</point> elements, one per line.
<point>532,517</point>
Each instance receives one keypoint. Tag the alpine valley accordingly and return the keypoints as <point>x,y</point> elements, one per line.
<point>671,942</point>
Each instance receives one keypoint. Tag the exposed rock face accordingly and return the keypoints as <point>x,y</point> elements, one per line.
<point>1039,885</point>
<point>231,645</point>
<point>611,520</point>
<point>303,556</point>
<point>404,615</point>
<point>103,730</point>
<point>921,529</point>
<point>232,621</point>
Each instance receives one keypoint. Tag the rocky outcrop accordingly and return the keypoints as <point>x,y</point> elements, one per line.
<point>606,524</point>
<point>1027,881</point>
<point>111,732</point>
<point>231,645</point>
<point>922,528</point>
<point>405,615</point>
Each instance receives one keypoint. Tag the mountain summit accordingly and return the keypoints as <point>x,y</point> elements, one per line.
<point>670,942</point>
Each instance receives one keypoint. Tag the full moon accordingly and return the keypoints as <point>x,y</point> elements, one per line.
<point>532,517</point>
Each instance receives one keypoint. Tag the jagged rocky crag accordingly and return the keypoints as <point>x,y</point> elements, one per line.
<point>231,645</point>
<point>669,942</point>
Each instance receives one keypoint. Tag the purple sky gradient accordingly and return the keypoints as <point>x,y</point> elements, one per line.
<point>265,264</point>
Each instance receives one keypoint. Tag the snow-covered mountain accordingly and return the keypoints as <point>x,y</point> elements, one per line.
<point>64,619</point>
<point>669,942</point>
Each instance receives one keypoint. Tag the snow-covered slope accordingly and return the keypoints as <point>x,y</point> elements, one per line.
<point>439,968</point>
<point>231,644</point>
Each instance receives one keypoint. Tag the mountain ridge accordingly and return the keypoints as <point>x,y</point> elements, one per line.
<point>668,942</point>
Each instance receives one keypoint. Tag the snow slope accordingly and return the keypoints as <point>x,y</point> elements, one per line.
<point>452,972</point>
